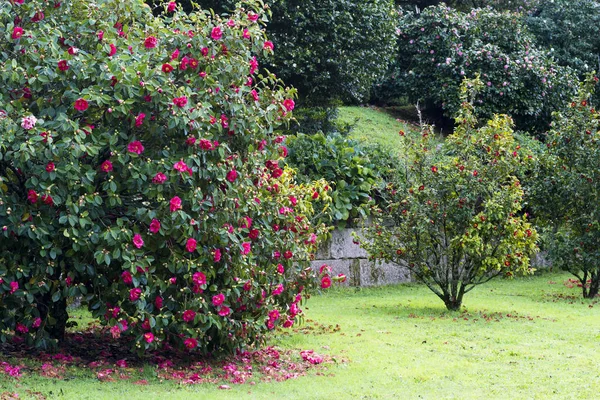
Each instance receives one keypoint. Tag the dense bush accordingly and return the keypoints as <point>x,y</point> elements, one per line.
<point>566,189</point>
<point>344,164</point>
<point>139,170</point>
<point>441,46</point>
<point>457,214</point>
<point>571,28</point>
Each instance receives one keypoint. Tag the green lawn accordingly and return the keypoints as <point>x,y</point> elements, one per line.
<point>530,338</point>
<point>374,125</point>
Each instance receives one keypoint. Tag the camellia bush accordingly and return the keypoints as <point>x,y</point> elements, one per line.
<point>566,189</point>
<point>139,171</point>
<point>455,220</point>
<point>440,46</point>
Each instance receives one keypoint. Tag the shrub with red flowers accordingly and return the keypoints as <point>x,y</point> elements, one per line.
<point>566,188</point>
<point>457,214</point>
<point>134,173</point>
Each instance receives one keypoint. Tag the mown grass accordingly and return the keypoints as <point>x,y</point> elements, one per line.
<point>529,338</point>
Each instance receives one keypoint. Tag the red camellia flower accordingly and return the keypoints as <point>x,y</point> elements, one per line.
<point>288,254</point>
<point>149,337</point>
<point>218,299</point>
<point>32,196</point>
<point>154,226</point>
<point>434,169</point>
<point>50,167</point>
<point>246,247</point>
<point>180,101</point>
<point>81,104</point>
<point>17,32</point>
<point>325,282</point>
<point>113,50</point>
<point>158,302</point>
<point>167,68</point>
<point>254,234</point>
<point>106,166</point>
<point>171,7</point>
<point>139,120</point>
<point>150,42</point>
<point>289,104</point>
<point>127,277</point>
<point>134,294</point>
<point>189,343</point>
<point>268,45</point>
<point>217,255</point>
<point>63,65</point>
<point>159,178</point>
<point>224,311</point>
<point>191,245</point>
<point>138,241</point>
<point>232,175</point>
<point>175,204</point>
<point>135,147</point>
<point>216,33</point>
<point>47,199</point>
<point>189,315</point>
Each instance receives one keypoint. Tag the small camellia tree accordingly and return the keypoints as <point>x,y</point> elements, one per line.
<point>566,189</point>
<point>139,170</point>
<point>455,220</point>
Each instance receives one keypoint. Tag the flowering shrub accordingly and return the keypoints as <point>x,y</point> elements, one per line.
<point>439,47</point>
<point>566,187</point>
<point>457,219</point>
<point>139,170</point>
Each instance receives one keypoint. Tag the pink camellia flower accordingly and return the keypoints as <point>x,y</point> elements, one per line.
<point>167,68</point>
<point>247,286</point>
<point>289,104</point>
<point>254,234</point>
<point>189,315</point>
<point>32,196</point>
<point>216,33</point>
<point>73,51</point>
<point>232,175</point>
<point>246,247</point>
<point>252,16</point>
<point>135,147</point>
<point>81,104</point>
<point>139,120</point>
<point>121,363</point>
<point>159,178</point>
<point>280,269</point>
<point>173,280</point>
<point>199,278</point>
<point>127,277</point>
<point>278,290</point>
<point>325,282</point>
<point>246,34</point>
<point>270,324</point>
<point>63,65</point>
<point>106,166</point>
<point>294,309</point>
<point>217,255</point>
<point>100,35</point>
<point>149,337</point>
<point>218,299</point>
<point>150,42</point>
<point>191,245</point>
<point>134,294</point>
<point>50,167</point>
<point>190,343</point>
<point>68,281</point>
<point>158,302</point>
<point>171,7</point>
<point>324,269</point>
<point>17,33</point>
<point>154,226</point>
<point>268,45</point>
<point>253,65</point>
<point>274,315</point>
<point>341,278</point>
<point>28,122</point>
<point>288,323</point>
<point>224,311</point>
<point>180,101</point>
<point>138,241</point>
<point>14,286</point>
<point>254,95</point>
<point>36,323</point>
<point>181,166</point>
<point>175,204</point>
<point>21,328</point>
<point>113,50</point>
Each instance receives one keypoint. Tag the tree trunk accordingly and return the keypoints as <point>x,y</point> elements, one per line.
<point>592,291</point>
<point>452,303</point>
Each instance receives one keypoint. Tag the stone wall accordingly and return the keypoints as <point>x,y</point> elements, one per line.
<point>346,257</point>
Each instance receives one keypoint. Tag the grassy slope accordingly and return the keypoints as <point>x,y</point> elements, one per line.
<point>401,343</point>
<point>374,125</point>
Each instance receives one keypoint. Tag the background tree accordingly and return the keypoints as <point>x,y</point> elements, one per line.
<point>456,219</point>
<point>566,189</point>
